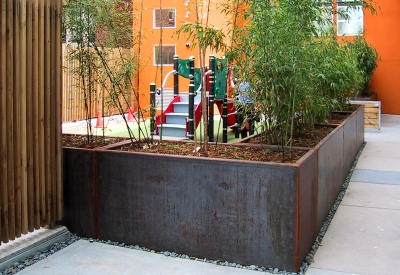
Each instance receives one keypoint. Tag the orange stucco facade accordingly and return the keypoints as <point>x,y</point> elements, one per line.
<point>380,30</point>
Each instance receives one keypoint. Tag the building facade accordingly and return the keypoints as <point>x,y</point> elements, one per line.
<point>158,26</point>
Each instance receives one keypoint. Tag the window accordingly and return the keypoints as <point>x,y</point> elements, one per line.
<point>352,23</point>
<point>164,55</point>
<point>325,19</point>
<point>164,18</point>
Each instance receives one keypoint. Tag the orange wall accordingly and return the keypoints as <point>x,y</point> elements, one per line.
<point>381,31</point>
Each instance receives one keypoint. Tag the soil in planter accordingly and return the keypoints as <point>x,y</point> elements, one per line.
<point>81,141</point>
<point>337,118</point>
<point>309,138</point>
<point>216,151</point>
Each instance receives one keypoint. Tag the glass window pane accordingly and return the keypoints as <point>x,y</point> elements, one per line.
<point>166,57</point>
<point>353,25</point>
<point>164,18</point>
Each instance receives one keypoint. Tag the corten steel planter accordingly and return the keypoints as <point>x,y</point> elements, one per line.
<point>79,168</point>
<point>336,154</point>
<point>78,192</point>
<point>247,212</point>
<point>239,211</point>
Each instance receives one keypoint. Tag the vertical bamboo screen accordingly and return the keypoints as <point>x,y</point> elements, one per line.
<point>30,108</point>
<point>73,97</point>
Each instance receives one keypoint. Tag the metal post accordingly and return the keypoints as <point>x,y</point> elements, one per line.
<point>211,101</point>
<point>176,76</point>
<point>237,123</point>
<point>152,107</point>
<point>225,120</point>
<point>191,108</point>
<point>191,64</point>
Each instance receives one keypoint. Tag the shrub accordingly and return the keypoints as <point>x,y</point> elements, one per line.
<point>367,61</point>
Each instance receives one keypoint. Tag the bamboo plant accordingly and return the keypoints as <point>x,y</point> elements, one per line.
<point>102,36</point>
<point>297,71</point>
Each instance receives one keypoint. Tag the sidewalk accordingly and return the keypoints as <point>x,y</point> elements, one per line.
<point>363,238</point>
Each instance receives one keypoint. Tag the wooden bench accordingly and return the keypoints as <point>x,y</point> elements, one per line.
<point>372,113</point>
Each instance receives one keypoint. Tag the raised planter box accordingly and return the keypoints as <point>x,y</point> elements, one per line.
<point>247,212</point>
<point>336,154</point>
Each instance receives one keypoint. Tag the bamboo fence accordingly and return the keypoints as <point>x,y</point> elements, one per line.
<point>30,122</point>
<point>76,106</point>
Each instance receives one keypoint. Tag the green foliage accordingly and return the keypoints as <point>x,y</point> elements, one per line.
<point>202,35</point>
<point>101,36</point>
<point>367,62</point>
<point>297,72</point>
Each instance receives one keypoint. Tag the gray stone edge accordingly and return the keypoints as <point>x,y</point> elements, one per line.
<point>41,243</point>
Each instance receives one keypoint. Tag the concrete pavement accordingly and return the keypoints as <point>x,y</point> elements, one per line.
<point>363,237</point>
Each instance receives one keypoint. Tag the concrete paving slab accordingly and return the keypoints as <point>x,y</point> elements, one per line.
<point>85,258</point>
<point>389,132</point>
<point>382,163</point>
<point>382,136</point>
<point>319,271</point>
<point>381,149</point>
<point>361,240</point>
<point>364,194</point>
<point>376,176</point>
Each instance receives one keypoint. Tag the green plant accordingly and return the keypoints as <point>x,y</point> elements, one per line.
<point>205,37</point>
<point>101,37</point>
<point>367,62</point>
<point>296,77</point>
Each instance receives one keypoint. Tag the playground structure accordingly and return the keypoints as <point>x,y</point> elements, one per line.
<point>184,112</point>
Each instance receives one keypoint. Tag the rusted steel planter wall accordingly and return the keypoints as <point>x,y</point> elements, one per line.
<point>78,191</point>
<point>336,154</point>
<point>245,212</point>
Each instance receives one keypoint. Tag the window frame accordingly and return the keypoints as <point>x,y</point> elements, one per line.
<point>155,55</point>
<point>330,18</point>
<point>358,10</point>
<point>171,18</point>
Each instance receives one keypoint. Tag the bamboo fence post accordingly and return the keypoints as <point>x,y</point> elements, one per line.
<point>41,106</point>
<point>47,108</point>
<point>58,109</point>
<point>4,226</point>
<point>9,118</point>
<point>35,114</point>
<point>17,120</point>
<point>29,122</point>
<point>23,115</point>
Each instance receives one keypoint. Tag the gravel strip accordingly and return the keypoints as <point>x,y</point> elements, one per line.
<point>18,266</point>
<point>73,238</point>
